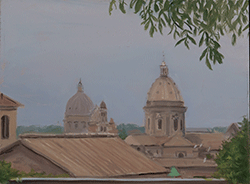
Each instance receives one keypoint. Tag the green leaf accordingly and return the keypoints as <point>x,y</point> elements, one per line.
<point>111,4</point>
<point>151,31</point>
<point>186,44</point>
<point>138,5</point>
<point>132,3</point>
<point>154,18</point>
<point>205,14</point>
<point>146,25</point>
<point>181,40</point>
<point>121,7</point>
<point>201,40</point>
<point>208,63</point>
<point>191,39</point>
<point>239,30</point>
<point>203,54</point>
<point>163,22</point>
<point>247,26</point>
<point>156,8</point>
<point>233,39</point>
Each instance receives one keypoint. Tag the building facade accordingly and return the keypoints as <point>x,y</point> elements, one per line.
<point>82,116</point>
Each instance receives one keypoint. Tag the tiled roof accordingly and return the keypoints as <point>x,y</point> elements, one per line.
<point>91,155</point>
<point>147,140</point>
<point>212,140</point>
<point>178,140</point>
<point>141,139</point>
<point>6,101</point>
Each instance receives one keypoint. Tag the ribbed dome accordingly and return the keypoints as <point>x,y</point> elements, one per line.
<point>79,104</point>
<point>164,88</point>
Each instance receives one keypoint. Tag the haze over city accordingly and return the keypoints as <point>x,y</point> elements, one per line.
<point>47,46</point>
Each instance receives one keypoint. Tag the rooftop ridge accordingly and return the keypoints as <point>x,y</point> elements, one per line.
<point>67,135</point>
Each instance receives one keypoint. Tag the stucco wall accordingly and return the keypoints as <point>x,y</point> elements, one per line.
<point>12,127</point>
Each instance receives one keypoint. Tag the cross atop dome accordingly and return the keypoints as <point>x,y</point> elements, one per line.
<point>164,69</point>
<point>80,87</point>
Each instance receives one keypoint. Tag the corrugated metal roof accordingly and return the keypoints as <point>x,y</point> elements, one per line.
<point>93,156</point>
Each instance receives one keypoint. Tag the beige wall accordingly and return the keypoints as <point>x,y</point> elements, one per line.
<point>71,121</point>
<point>164,110</point>
<point>172,152</point>
<point>12,127</point>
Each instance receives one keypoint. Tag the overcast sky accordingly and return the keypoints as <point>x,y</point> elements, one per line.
<point>47,45</point>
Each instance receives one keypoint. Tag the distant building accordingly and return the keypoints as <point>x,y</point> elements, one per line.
<point>81,116</point>
<point>232,131</point>
<point>198,130</point>
<point>164,110</point>
<point>166,140</point>
<point>8,114</point>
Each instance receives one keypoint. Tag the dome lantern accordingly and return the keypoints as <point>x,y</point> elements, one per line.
<point>164,69</point>
<point>79,86</point>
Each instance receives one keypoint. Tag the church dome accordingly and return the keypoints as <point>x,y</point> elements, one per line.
<point>164,88</point>
<point>79,104</point>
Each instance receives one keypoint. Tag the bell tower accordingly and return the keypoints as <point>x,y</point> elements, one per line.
<point>8,124</point>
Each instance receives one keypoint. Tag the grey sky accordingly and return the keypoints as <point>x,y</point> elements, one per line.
<point>47,45</point>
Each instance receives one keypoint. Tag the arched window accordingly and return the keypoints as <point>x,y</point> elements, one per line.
<point>180,155</point>
<point>181,125</point>
<point>83,124</point>
<point>101,128</point>
<point>148,123</point>
<point>5,127</point>
<point>76,124</point>
<point>104,129</point>
<point>175,124</point>
<point>159,124</point>
<point>69,124</point>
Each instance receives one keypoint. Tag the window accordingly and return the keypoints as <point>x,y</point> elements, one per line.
<point>180,155</point>
<point>148,123</point>
<point>5,127</point>
<point>175,124</point>
<point>159,124</point>
<point>83,124</point>
<point>69,124</point>
<point>76,124</point>
<point>104,129</point>
<point>181,125</point>
<point>101,128</point>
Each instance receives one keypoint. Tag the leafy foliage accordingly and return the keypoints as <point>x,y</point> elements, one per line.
<point>123,134</point>
<point>130,127</point>
<point>7,173</point>
<point>206,19</point>
<point>233,159</point>
<point>53,129</point>
<point>219,129</point>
